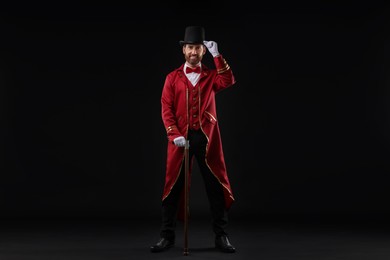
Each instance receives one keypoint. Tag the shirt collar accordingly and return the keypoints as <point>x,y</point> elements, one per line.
<point>186,65</point>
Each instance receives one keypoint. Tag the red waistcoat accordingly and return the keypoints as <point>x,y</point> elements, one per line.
<point>179,114</point>
<point>193,106</point>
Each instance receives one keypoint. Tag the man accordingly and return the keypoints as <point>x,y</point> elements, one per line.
<point>189,113</point>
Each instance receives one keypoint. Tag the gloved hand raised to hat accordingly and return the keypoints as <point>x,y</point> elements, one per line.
<point>212,46</point>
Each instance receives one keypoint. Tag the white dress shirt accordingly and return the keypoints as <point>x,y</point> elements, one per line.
<point>192,77</point>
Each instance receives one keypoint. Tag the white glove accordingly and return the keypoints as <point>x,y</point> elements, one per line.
<point>180,141</point>
<point>212,46</point>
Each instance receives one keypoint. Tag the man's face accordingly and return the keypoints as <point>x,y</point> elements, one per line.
<point>193,53</point>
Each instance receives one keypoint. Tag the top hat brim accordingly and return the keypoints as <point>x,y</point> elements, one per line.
<point>189,42</point>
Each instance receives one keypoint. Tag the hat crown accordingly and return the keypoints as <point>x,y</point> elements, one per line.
<point>193,35</point>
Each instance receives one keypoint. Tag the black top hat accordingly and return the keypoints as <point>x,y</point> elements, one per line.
<point>193,35</point>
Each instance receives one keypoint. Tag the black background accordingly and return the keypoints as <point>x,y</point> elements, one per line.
<point>305,129</point>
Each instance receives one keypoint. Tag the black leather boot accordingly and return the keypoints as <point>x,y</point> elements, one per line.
<point>162,245</point>
<point>222,243</point>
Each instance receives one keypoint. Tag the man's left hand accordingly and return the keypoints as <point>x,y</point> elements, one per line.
<point>212,46</point>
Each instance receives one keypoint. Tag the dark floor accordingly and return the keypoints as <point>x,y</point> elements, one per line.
<point>125,239</point>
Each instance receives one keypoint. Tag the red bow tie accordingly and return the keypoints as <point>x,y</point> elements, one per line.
<point>196,70</point>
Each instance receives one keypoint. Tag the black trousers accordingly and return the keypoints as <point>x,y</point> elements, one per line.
<point>214,191</point>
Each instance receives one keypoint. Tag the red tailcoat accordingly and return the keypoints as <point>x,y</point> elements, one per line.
<point>175,116</point>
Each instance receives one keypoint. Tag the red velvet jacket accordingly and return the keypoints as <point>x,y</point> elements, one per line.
<point>175,116</point>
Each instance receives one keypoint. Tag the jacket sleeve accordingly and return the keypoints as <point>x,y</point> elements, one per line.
<point>168,110</point>
<point>224,77</point>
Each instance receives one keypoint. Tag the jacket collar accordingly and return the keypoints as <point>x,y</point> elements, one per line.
<point>205,71</point>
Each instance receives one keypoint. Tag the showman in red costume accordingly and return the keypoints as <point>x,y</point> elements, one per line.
<point>188,109</point>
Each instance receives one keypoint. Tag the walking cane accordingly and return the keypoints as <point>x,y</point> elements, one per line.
<point>186,196</point>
